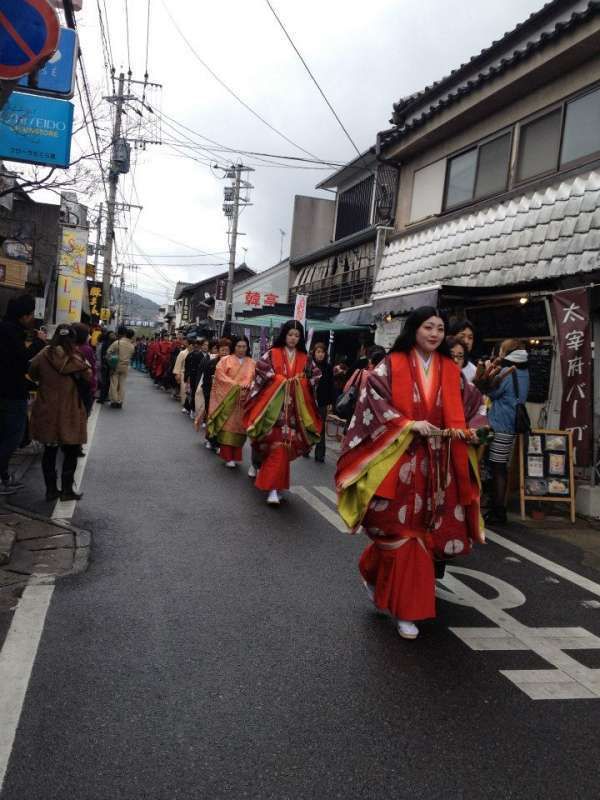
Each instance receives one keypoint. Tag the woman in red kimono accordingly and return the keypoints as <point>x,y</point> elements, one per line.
<point>282,418</point>
<point>408,474</point>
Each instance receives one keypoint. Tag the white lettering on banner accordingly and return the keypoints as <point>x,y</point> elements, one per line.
<point>572,313</point>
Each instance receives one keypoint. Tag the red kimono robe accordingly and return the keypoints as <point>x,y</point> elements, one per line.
<point>282,418</point>
<point>417,497</point>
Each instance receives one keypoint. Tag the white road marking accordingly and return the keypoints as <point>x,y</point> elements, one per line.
<point>67,509</point>
<point>16,662</point>
<point>569,679</point>
<point>19,651</point>
<point>517,549</point>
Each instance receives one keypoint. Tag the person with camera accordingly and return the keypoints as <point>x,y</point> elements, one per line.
<point>14,363</point>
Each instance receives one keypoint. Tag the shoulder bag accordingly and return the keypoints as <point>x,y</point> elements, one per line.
<point>522,421</point>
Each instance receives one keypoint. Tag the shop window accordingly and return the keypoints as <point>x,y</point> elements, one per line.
<point>539,145</point>
<point>582,128</point>
<point>479,172</point>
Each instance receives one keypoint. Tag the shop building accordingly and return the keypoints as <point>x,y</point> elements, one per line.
<point>498,211</point>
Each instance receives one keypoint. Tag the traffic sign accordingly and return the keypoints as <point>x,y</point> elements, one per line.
<point>28,36</point>
<point>57,76</point>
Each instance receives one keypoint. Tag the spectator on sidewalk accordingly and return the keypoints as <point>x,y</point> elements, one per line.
<point>108,337</point>
<point>58,416</point>
<point>82,335</point>
<point>14,363</point>
<point>123,348</point>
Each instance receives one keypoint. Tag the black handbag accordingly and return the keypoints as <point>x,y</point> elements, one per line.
<point>522,421</point>
<point>346,402</point>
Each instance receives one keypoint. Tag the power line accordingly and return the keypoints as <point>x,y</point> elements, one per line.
<point>314,80</point>
<point>230,90</point>
<point>147,40</point>
<point>127,36</point>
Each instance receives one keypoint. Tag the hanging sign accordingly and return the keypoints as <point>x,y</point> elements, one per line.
<point>28,36</point>
<point>220,310</point>
<point>571,311</point>
<point>300,308</point>
<point>69,299</point>
<point>95,300</point>
<point>36,130</point>
<point>72,257</point>
<point>57,76</point>
<point>13,273</point>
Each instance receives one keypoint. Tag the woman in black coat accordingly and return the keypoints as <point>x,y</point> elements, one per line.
<point>326,393</point>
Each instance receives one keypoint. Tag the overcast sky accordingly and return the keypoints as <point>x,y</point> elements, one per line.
<point>365,53</point>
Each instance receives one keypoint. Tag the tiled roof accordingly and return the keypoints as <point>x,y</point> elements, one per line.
<point>546,234</point>
<point>540,29</point>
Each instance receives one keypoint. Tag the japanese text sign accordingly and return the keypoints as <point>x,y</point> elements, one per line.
<point>95,299</point>
<point>572,317</point>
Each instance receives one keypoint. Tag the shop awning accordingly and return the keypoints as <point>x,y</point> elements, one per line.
<point>360,315</point>
<point>275,321</point>
<point>406,301</point>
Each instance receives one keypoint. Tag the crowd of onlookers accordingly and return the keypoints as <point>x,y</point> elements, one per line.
<point>76,366</point>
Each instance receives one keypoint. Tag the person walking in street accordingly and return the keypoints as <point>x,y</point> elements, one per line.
<point>407,473</point>
<point>223,351</point>
<point>511,389</point>
<point>58,416</point>
<point>108,337</point>
<point>194,367</point>
<point>282,417</point>
<point>234,376</point>
<point>119,354</point>
<point>14,362</point>
<point>326,393</point>
<point>179,372</point>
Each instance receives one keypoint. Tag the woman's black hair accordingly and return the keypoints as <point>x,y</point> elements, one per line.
<point>291,324</point>
<point>460,325</point>
<point>408,338</point>
<point>376,354</point>
<point>239,339</point>
<point>65,337</point>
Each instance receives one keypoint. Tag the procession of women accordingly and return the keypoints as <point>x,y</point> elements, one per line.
<point>423,424</point>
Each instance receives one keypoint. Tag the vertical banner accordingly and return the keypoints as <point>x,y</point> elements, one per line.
<point>300,308</point>
<point>571,312</point>
<point>309,339</point>
<point>95,300</point>
<point>330,348</point>
<point>72,257</point>
<point>69,297</point>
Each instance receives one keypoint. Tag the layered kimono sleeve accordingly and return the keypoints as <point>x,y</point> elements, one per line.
<point>265,399</point>
<point>377,436</point>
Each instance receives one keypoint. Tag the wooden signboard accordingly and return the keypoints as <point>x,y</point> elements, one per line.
<point>546,468</point>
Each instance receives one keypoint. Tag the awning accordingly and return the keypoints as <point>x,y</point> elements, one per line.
<point>275,321</point>
<point>405,302</point>
<point>361,315</point>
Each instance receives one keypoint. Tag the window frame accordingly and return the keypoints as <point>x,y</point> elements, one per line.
<point>582,159</point>
<point>516,181</point>
<point>510,130</point>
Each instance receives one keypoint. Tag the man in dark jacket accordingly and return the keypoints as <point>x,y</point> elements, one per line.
<point>14,362</point>
<point>326,395</point>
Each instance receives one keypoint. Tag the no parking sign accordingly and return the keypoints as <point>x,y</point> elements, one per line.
<point>28,36</point>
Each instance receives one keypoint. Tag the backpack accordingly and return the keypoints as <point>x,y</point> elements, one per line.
<point>522,421</point>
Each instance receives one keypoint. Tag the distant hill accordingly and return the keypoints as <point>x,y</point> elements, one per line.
<point>137,307</point>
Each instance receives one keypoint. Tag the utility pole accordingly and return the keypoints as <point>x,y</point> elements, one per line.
<point>98,237</point>
<point>113,180</point>
<point>231,209</point>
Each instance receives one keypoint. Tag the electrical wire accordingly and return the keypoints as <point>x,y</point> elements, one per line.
<point>147,41</point>
<point>127,35</point>
<point>314,80</point>
<point>229,89</point>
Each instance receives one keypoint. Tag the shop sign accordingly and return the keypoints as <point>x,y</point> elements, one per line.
<point>19,251</point>
<point>256,299</point>
<point>571,310</point>
<point>69,299</point>
<point>220,310</point>
<point>36,130</point>
<point>300,308</point>
<point>95,299</point>
<point>13,273</point>
<point>57,76</point>
<point>73,252</point>
<point>105,315</point>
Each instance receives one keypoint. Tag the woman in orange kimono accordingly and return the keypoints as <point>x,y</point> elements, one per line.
<point>282,418</point>
<point>233,378</point>
<point>408,474</point>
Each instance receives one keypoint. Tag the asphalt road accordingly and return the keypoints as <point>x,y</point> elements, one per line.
<point>218,648</point>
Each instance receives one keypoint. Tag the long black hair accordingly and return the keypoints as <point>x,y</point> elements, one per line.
<point>291,324</point>
<point>408,338</point>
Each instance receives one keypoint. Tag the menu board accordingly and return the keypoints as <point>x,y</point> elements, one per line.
<point>546,466</point>
<point>540,370</point>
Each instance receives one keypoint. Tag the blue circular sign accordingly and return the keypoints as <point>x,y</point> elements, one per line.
<point>28,36</point>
